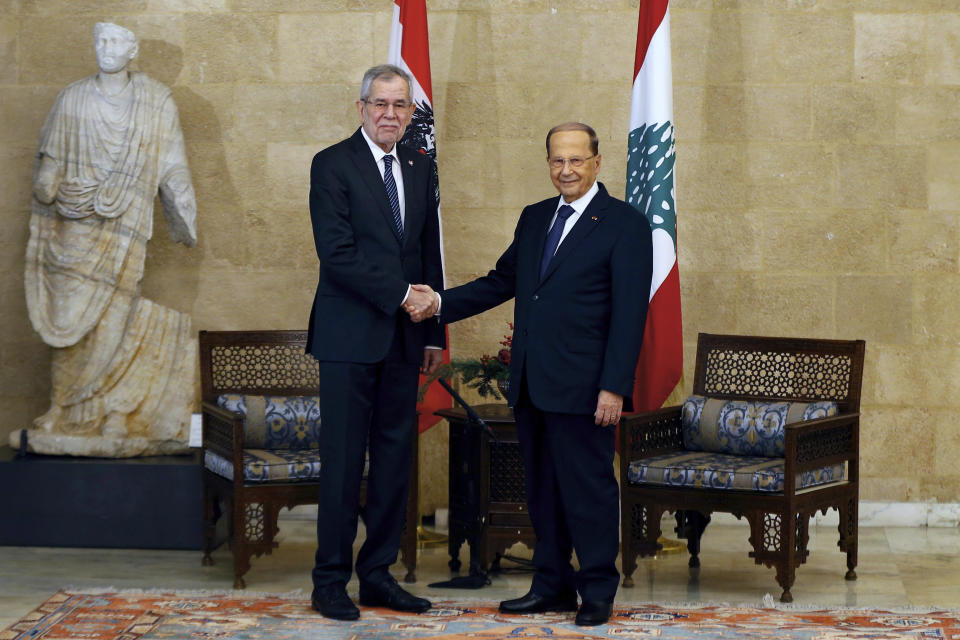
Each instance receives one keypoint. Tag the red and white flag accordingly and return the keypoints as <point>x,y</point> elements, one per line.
<point>410,50</point>
<point>650,188</point>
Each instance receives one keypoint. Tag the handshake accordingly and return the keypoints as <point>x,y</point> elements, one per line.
<point>422,303</point>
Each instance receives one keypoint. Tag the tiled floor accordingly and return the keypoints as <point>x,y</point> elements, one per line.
<point>897,567</point>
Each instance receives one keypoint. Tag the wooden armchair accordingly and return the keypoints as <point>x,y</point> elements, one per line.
<point>690,459</point>
<point>245,465</point>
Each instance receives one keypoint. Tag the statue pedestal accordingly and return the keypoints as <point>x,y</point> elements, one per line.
<point>134,503</point>
<point>58,444</point>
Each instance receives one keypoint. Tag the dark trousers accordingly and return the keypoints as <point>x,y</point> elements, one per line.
<point>361,406</point>
<point>574,501</point>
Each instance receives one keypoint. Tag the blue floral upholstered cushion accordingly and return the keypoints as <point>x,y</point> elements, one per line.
<point>273,422</point>
<point>269,465</point>
<point>744,427</point>
<point>724,471</point>
<point>281,439</point>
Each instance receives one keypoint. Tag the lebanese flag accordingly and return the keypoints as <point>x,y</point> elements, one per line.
<point>650,176</point>
<point>410,50</point>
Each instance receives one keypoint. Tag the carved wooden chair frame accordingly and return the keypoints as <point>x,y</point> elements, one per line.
<point>756,368</point>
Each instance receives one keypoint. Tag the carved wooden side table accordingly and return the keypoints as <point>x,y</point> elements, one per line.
<point>488,507</point>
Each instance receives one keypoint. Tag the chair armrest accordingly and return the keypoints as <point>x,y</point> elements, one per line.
<point>824,441</point>
<point>222,432</point>
<point>651,433</point>
<point>820,443</point>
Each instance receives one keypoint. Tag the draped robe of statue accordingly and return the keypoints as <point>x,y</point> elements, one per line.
<point>123,366</point>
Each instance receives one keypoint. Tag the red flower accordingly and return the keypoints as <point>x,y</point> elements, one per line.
<point>508,340</point>
<point>504,356</point>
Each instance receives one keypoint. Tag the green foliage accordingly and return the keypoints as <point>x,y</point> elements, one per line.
<point>481,373</point>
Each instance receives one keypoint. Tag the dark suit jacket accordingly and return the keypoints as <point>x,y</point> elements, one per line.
<point>364,268</point>
<point>579,329</point>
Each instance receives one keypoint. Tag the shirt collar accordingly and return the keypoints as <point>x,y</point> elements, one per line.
<point>375,149</point>
<point>580,204</point>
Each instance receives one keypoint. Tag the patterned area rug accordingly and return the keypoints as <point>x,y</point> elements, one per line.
<point>148,616</point>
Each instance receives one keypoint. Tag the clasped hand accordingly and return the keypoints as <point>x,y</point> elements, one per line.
<point>422,303</point>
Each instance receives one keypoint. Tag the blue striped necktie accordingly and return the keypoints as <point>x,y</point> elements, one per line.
<point>392,195</point>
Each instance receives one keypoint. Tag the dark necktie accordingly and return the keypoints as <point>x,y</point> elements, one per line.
<point>392,195</point>
<point>553,237</point>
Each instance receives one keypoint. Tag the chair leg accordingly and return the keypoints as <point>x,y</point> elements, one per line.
<point>640,530</point>
<point>408,551</point>
<point>849,534</point>
<point>628,552</point>
<point>785,578</point>
<point>410,539</point>
<point>786,564</point>
<point>773,537</point>
<point>690,526</point>
<point>248,520</point>
<point>454,542</point>
<point>210,517</point>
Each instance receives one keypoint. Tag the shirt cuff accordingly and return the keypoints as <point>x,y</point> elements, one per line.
<point>406,295</point>
<point>430,346</point>
<point>439,303</point>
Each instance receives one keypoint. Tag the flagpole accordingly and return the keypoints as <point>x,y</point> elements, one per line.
<point>409,49</point>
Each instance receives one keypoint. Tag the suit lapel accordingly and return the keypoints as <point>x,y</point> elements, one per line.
<point>586,223</point>
<point>367,168</point>
<point>543,228</point>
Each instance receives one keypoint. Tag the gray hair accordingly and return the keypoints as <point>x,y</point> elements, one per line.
<point>576,126</point>
<point>385,71</point>
<point>100,27</point>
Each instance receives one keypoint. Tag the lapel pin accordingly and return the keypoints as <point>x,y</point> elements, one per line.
<point>594,218</point>
<point>410,162</point>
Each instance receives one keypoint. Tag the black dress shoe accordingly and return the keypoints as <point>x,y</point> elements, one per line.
<point>387,593</point>
<point>332,601</point>
<point>536,603</point>
<point>594,612</point>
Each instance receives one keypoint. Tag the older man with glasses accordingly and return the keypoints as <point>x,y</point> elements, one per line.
<point>376,229</point>
<point>579,270</point>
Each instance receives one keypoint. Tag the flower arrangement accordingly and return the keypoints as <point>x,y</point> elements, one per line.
<point>489,375</point>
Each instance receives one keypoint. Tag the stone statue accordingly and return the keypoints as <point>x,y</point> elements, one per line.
<point>123,367</point>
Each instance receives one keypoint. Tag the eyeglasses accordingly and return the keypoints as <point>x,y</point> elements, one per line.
<point>382,105</point>
<point>575,162</point>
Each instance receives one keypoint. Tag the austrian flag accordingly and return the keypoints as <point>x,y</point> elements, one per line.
<point>650,176</point>
<point>410,50</point>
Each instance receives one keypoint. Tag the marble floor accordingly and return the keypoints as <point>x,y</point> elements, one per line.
<point>897,567</point>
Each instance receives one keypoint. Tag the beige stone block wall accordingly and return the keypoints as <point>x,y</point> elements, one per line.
<point>818,146</point>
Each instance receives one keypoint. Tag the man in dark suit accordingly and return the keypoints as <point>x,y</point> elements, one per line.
<point>579,269</point>
<point>374,211</point>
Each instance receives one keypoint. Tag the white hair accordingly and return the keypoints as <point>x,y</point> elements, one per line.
<point>385,71</point>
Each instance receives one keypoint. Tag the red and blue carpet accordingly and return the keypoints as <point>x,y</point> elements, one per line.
<point>184,616</point>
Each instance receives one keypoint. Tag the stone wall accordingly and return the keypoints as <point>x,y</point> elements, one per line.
<point>818,171</point>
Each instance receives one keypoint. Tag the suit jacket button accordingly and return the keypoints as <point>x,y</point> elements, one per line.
<point>536,297</point>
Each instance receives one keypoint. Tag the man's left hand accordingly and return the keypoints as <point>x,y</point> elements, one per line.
<point>609,408</point>
<point>431,360</point>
